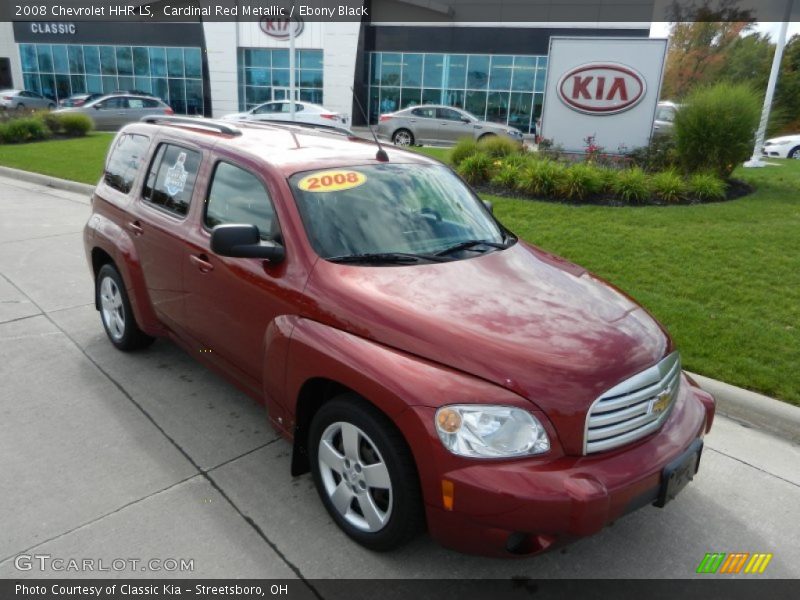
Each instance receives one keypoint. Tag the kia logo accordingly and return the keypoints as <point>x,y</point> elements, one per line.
<point>601,88</point>
<point>279,28</point>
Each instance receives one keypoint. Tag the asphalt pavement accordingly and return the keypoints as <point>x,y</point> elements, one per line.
<point>106,455</point>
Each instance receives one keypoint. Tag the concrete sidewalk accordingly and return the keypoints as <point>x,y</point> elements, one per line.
<point>149,455</point>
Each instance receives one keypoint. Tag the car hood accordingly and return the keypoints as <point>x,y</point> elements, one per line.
<point>520,318</point>
<point>784,139</point>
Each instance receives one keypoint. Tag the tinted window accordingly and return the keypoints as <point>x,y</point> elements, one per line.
<point>171,178</point>
<point>125,160</point>
<point>268,108</point>
<point>151,103</point>
<point>112,103</point>
<point>427,113</point>
<point>448,114</point>
<point>237,196</point>
<point>135,103</point>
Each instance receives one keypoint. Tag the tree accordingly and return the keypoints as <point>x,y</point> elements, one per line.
<point>787,92</point>
<point>699,54</point>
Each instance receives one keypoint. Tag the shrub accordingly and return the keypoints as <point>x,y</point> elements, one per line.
<point>631,185</point>
<point>51,120</point>
<point>714,130</point>
<point>464,147</point>
<point>706,187</point>
<point>580,181</point>
<point>541,177</point>
<point>476,169</point>
<point>669,186</point>
<point>507,175</point>
<point>25,129</point>
<point>75,124</point>
<point>498,146</point>
<point>659,155</point>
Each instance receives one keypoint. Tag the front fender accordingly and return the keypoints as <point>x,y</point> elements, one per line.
<point>404,387</point>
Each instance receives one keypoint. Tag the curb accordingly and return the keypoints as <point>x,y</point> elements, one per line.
<point>753,409</point>
<point>47,180</point>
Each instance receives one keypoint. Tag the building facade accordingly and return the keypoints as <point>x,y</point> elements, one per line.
<point>496,71</point>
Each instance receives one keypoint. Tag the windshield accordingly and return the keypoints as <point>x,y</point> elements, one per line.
<point>391,208</point>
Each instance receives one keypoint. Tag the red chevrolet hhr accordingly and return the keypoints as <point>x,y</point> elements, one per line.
<point>431,369</point>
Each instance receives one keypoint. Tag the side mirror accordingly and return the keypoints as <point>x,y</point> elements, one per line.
<point>466,120</point>
<point>244,241</point>
<point>489,206</point>
<point>97,106</point>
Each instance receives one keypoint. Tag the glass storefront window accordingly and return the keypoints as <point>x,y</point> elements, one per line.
<point>501,88</point>
<point>75,59</point>
<point>91,59</point>
<point>60,70</point>
<point>60,60</point>
<point>141,61</point>
<point>124,60</point>
<point>412,70</point>
<point>264,74</point>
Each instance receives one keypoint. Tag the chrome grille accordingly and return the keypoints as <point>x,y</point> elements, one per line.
<point>634,408</point>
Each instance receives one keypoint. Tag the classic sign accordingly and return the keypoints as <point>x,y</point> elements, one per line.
<point>279,28</point>
<point>601,88</point>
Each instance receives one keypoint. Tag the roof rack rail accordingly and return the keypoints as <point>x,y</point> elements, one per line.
<point>287,123</point>
<point>194,122</point>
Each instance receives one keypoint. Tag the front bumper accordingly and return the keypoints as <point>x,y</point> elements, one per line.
<point>531,505</point>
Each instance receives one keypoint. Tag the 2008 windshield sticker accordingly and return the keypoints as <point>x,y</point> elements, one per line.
<point>175,180</point>
<point>332,181</point>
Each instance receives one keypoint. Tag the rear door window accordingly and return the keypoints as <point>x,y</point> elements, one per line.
<point>124,162</point>
<point>425,113</point>
<point>237,196</point>
<point>448,114</point>
<point>171,178</point>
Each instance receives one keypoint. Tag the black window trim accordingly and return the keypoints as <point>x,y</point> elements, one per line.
<point>207,195</point>
<point>146,202</point>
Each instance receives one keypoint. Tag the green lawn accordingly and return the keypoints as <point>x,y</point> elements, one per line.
<point>79,159</point>
<point>724,278</point>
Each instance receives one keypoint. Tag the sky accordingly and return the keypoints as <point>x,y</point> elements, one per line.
<point>660,29</point>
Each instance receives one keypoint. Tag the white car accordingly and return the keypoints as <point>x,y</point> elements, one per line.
<point>280,110</point>
<point>787,146</point>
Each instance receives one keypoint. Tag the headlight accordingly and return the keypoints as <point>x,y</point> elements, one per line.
<point>484,431</point>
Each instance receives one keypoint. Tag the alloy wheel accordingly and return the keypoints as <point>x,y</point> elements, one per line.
<point>112,308</point>
<point>402,138</point>
<point>355,477</point>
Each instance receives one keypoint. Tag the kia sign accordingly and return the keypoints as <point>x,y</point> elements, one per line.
<point>280,28</point>
<point>601,88</point>
<point>605,88</point>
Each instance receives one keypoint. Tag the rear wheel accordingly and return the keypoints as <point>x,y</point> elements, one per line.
<point>20,108</point>
<point>364,473</point>
<point>403,137</point>
<point>116,313</point>
<point>795,153</point>
<point>486,136</point>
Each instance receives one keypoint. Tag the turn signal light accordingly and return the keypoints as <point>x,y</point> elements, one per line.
<point>448,493</point>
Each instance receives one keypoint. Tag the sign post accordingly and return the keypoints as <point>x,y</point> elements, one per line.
<point>291,65</point>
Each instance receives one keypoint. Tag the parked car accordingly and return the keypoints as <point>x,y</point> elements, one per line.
<point>786,146</point>
<point>665,118</point>
<point>77,100</point>
<point>435,124</point>
<point>280,110</point>
<point>427,366</point>
<point>21,100</point>
<point>112,111</point>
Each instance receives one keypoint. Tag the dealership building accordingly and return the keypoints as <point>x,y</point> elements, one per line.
<point>494,70</point>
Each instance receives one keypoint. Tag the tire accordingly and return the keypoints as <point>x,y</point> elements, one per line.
<point>20,108</point>
<point>486,136</point>
<point>403,137</point>
<point>393,514</point>
<point>794,153</point>
<point>115,311</point>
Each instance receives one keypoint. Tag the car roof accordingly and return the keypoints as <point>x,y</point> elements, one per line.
<point>288,148</point>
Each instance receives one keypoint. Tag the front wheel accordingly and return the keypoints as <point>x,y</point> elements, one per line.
<point>116,313</point>
<point>364,473</point>
<point>795,153</point>
<point>403,137</point>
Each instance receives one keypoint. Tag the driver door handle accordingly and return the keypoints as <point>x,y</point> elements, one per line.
<point>136,227</point>
<point>201,262</point>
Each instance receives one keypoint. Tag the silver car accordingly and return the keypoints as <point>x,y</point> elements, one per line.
<point>21,100</point>
<point>437,124</point>
<point>665,118</point>
<point>111,112</point>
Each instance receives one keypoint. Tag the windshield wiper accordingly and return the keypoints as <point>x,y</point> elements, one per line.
<point>466,245</point>
<point>385,257</point>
